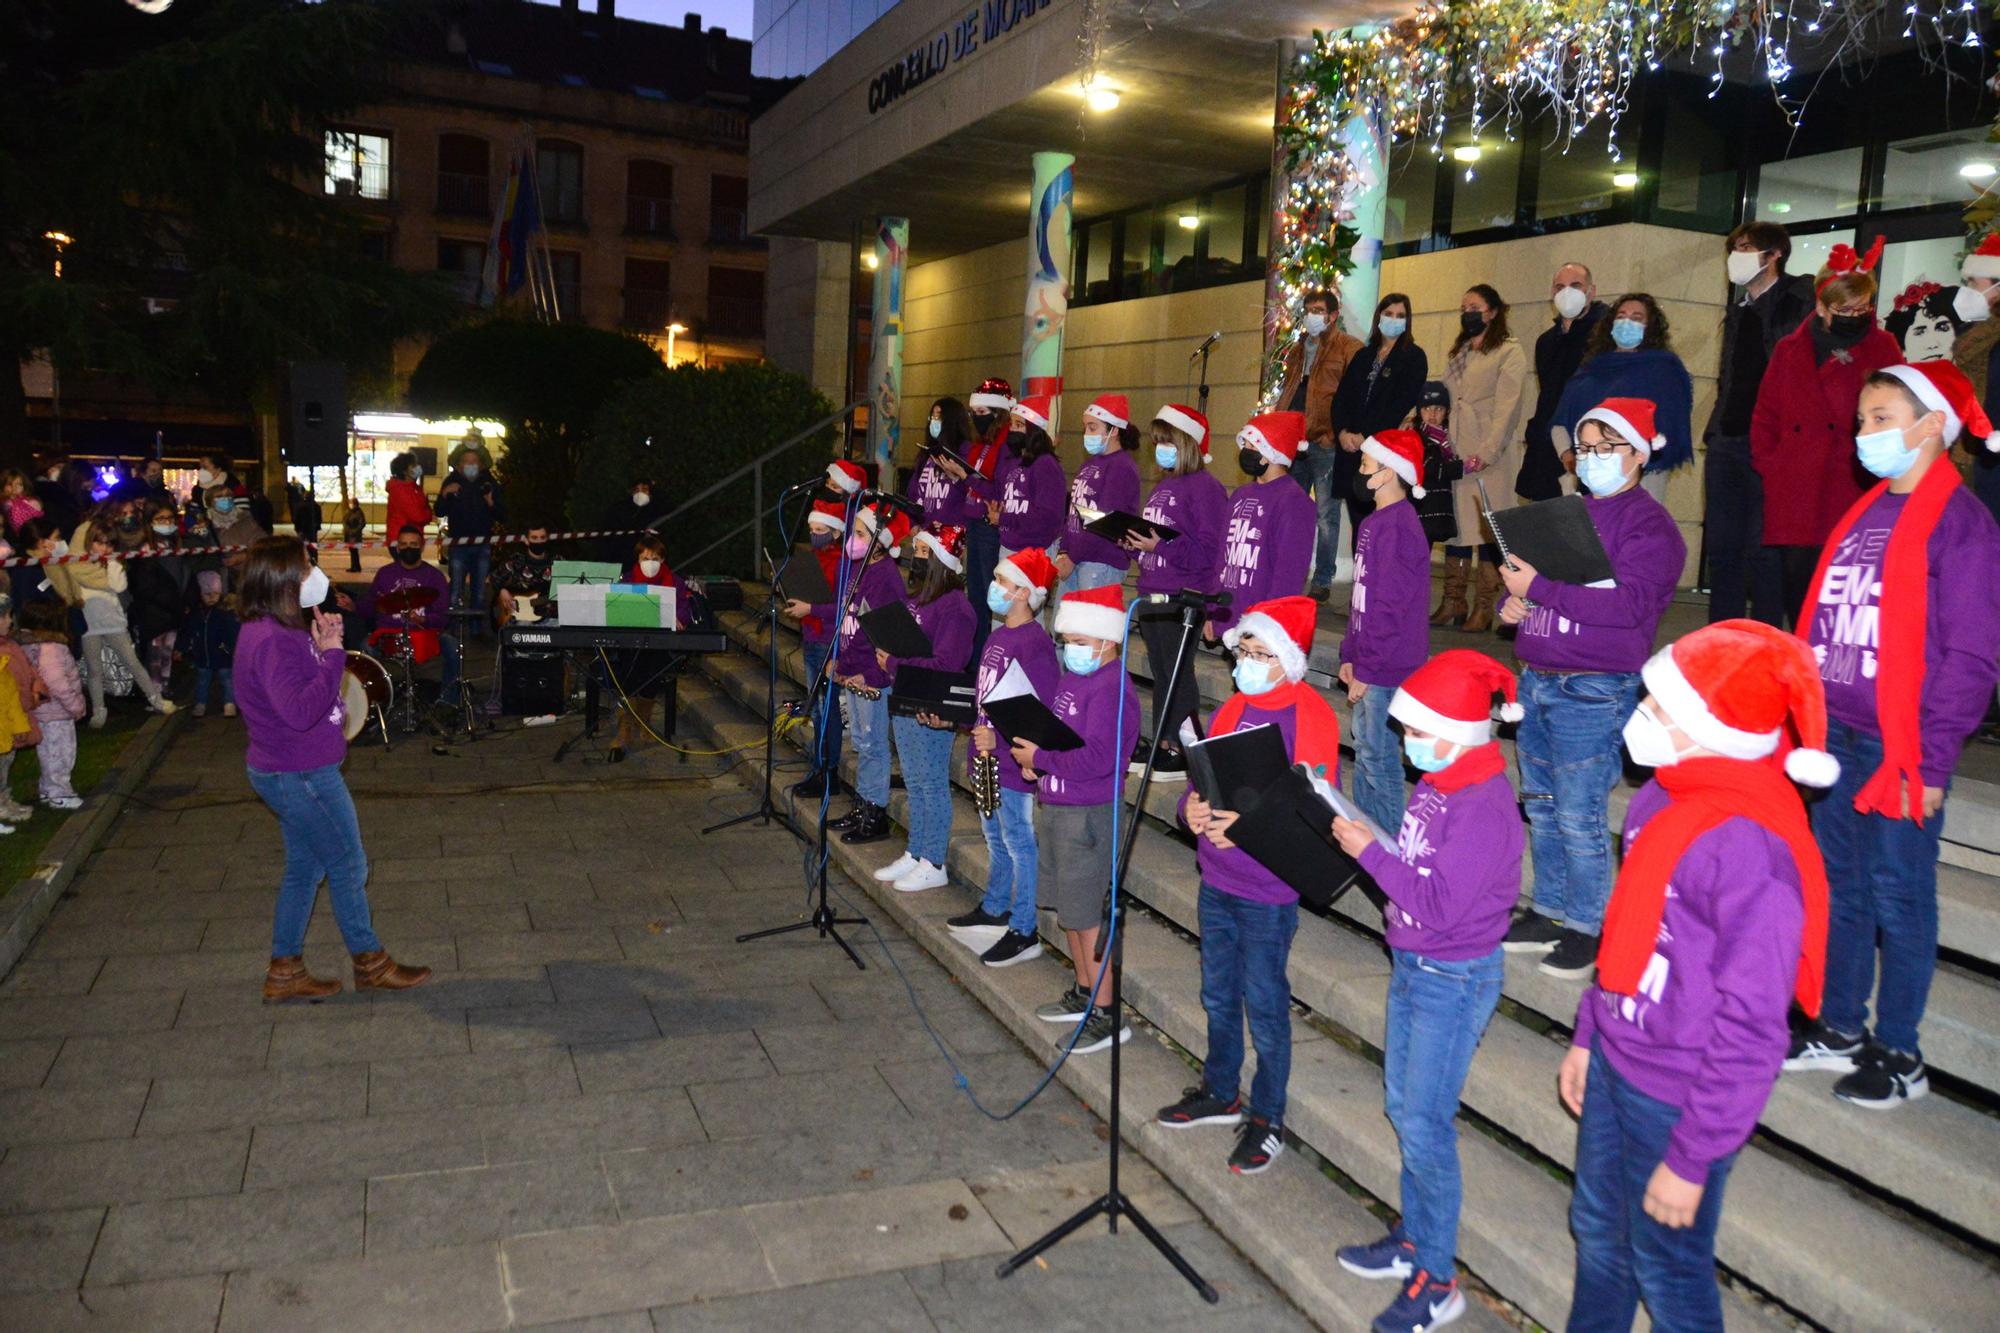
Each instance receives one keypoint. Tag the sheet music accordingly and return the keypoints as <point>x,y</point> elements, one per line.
<point>1013,681</point>
<point>1347,809</point>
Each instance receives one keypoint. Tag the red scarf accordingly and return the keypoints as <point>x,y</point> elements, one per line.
<point>1471,768</point>
<point>1705,792</point>
<point>1315,726</point>
<point>1904,610</point>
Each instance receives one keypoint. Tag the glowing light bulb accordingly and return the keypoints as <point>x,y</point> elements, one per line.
<point>1101,100</point>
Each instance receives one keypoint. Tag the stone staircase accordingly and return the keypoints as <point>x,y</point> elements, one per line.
<point>1837,1217</point>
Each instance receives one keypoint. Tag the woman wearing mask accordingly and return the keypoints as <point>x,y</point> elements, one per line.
<point>160,591</point>
<point>991,406</point>
<point>1108,481</point>
<point>1802,431</point>
<point>1378,392</point>
<point>288,678</point>
<point>234,525</point>
<point>938,487</point>
<point>641,671</point>
<point>407,506</point>
<point>211,471</point>
<point>631,514</point>
<point>1487,377</point>
<point>1033,491</point>
<point>1631,356</point>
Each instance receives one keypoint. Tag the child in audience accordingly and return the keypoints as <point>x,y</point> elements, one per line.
<point>95,586</point>
<point>1387,634</point>
<point>1450,883</point>
<point>28,689</point>
<point>1108,481</point>
<point>18,494</point>
<point>1903,615</point>
<point>1002,928</point>
<point>857,672</point>
<point>824,526</point>
<point>208,639</point>
<point>923,744</point>
<point>45,639</point>
<point>1717,924</point>
<point>353,529</point>
<point>1268,541</point>
<point>1441,468</point>
<point>1076,791</point>
<point>1247,914</point>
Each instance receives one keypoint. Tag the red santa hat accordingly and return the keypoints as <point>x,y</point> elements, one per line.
<point>1113,409</point>
<point>1631,420</point>
<point>1184,418</point>
<point>946,543</point>
<point>846,476</point>
<point>827,514</point>
<point>1451,697</point>
<point>1402,452</point>
<point>1098,613</point>
<point>870,517</point>
<point>1734,685</point>
<point>1942,387</point>
<point>1285,626</point>
<point>1275,435</point>
<point>1983,262</point>
<point>993,395</point>
<point>1034,410</point>
<point>1030,565</point>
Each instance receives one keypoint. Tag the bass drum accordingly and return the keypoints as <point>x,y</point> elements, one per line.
<point>364,687</point>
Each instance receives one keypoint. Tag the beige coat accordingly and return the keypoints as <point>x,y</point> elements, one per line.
<point>1489,409</point>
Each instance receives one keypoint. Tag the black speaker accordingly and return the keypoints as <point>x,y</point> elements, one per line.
<point>314,421</point>
<point>427,457</point>
<point>531,684</point>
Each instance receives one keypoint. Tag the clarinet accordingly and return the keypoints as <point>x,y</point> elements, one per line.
<point>1506,556</point>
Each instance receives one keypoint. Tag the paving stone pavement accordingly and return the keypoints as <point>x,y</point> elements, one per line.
<point>603,1113</point>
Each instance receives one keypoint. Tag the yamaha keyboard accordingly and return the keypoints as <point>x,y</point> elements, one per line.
<point>611,638</point>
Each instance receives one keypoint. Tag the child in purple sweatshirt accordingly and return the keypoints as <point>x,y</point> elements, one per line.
<point>1196,506</point>
<point>1388,634</point>
<point>1268,541</point>
<point>1582,649</point>
<point>935,488</point>
<point>1450,884</point>
<point>856,671</point>
<point>1031,490</point>
<point>1077,791</point>
<point>1107,482</point>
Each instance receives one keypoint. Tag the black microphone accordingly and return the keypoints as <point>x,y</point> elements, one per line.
<point>1208,342</point>
<point>1153,605</point>
<point>895,501</point>
<point>806,485</point>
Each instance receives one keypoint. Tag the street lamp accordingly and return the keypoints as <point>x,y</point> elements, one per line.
<point>672,330</point>
<point>58,239</point>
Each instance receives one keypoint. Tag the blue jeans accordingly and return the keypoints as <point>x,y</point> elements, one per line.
<point>1881,876</point>
<point>1622,1255</point>
<point>322,841</point>
<point>1088,574</point>
<point>1437,1014</point>
<point>1013,861</point>
<point>469,566</point>
<point>826,742</point>
<point>224,675</point>
<point>926,756</point>
<point>1378,758</point>
<point>1244,949</point>
<point>982,555</point>
<point>868,719</point>
<point>1571,757</point>
<point>1314,470</point>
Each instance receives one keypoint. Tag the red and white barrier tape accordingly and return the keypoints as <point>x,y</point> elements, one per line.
<point>149,552</point>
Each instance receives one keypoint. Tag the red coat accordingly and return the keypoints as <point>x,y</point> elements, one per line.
<point>1802,434</point>
<point>407,508</point>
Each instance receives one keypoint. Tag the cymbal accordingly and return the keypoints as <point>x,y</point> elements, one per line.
<point>405,600</point>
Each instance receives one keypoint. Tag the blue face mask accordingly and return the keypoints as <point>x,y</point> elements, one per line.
<point>1424,756</point>
<point>1599,474</point>
<point>1167,456</point>
<point>1883,453</point>
<point>937,428</point>
<point>1391,326</point>
<point>1080,658</point>
<point>1096,444</point>
<point>222,505</point>
<point>996,600</point>
<point>1253,677</point>
<point>1627,333</point>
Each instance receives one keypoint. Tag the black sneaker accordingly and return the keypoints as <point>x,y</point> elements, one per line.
<point>842,823</point>
<point>1574,956</point>
<point>1199,1106</point>
<point>1140,754</point>
<point>1320,592</point>
<point>1065,1008</point>
<point>1258,1144</point>
<point>1171,766</point>
<point>1012,948</point>
<point>1818,1049</point>
<point>1532,933</point>
<point>977,919</point>
<point>1099,1031</point>
<point>873,826</point>
<point>815,784</point>
<point>1883,1078</point>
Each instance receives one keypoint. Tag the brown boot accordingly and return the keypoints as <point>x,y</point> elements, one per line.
<point>287,979</point>
<point>378,971</point>
<point>1480,619</point>
<point>1451,610</point>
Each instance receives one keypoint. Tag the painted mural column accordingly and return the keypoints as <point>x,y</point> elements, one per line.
<point>1367,198</point>
<point>1048,280</point>
<point>885,371</point>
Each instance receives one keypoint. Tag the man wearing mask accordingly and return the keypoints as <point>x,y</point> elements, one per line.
<point>469,501</point>
<point>1314,363</point>
<point>525,574</point>
<point>428,629</point>
<point>1769,304</point>
<point>631,514</point>
<point>1558,352</point>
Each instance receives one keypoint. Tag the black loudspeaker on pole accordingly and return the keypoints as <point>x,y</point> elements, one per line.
<point>313,424</point>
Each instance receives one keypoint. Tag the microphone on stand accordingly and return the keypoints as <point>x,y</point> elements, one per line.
<point>895,501</point>
<point>1206,343</point>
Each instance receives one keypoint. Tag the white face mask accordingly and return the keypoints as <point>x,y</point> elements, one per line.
<point>649,567</point>
<point>59,548</point>
<point>313,588</point>
<point>1744,266</point>
<point>1315,324</point>
<point>1649,742</point>
<point>206,477</point>
<point>1969,305</point>
<point>1571,302</point>
<point>642,498</point>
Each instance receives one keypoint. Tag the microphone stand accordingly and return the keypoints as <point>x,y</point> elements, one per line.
<point>1113,1203</point>
<point>1201,393</point>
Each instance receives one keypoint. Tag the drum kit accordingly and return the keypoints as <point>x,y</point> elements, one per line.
<point>370,694</point>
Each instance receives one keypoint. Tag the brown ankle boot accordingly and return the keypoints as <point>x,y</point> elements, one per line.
<point>287,979</point>
<point>1451,609</point>
<point>378,971</point>
<point>1480,619</point>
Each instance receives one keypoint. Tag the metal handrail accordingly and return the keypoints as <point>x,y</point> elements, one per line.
<point>755,470</point>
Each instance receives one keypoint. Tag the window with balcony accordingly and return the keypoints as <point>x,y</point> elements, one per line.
<point>736,302</point>
<point>649,198</point>
<point>649,305</point>
<point>464,178</point>
<point>729,210</point>
<point>566,266</point>
<point>559,168</point>
<point>357,164</point>
<point>462,262</point>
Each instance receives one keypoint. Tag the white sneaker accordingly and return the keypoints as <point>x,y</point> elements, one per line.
<point>98,718</point>
<point>6,829</point>
<point>897,868</point>
<point>201,710</point>
<point>162,705</point>
<point>923,876</point>
<point>229,710</point>
<point>63,802</point>
<point>1343,572</point>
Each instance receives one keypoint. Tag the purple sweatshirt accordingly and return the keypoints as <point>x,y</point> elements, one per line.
<point>1267,545</point>
<point>1031,645</point>
<point>947,622</point>
<point>933,491</point>
<point>1031,502</point>
<point>395,577</point>
<point>1705,1031</point>
<point>1456,873</point>
<point>1231,869</point>
<point>881,584</point>
<point>1574,628</point>
<point>1090,706</point>
<point>1198,506</point>
<point>1107,482</point>
<point>1961,626</point>
<point>289,695</point>
<point>1388,622</point>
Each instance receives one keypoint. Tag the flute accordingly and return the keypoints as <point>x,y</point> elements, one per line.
<point>1506,556</point>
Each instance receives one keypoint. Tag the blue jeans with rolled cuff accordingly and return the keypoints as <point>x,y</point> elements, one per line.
<point>1571,756</point>
<point>868,720</point>
<point>1013,861</point>
<point>1245,946</point>
<point>1378,758</point>
<point>925,753</point>
<point>322,841</point>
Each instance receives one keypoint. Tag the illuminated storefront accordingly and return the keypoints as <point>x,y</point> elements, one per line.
<point>378,437</point>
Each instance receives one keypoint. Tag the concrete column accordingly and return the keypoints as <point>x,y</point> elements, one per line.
<point>1048,280</point>
<point>885,371</point>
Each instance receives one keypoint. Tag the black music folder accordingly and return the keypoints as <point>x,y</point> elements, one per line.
<point>1289,831</point>
<point>1557,538</point>
<point>1115,525</point>
<point>1015,712</point>
<point>805,580</point>
<point>1237,766</point>
<point>895,631</point>
<point>948,694</point>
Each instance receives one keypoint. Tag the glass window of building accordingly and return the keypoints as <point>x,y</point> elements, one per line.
<point>357,164</point>
<point>1809,253</point>
<point>1135,254</point>
<point>1808,189</point>
<point>1100,240</point>
<point>464,175</point>
<point>1412,203</point>
<point>464,262</point>
<point>1260,225</point>
<point>728,209</point>
<point>1486,183</point>
<point>1946,168</point>
<point>1179,225</point>
<point>1579,181</point>
<point>1696,182</point>
<point>566,266</point>
<point>559,171</point>
<point>1225,224</point>
<point>736,302</point>
<point>649,198</point>
<point>648,294</point>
